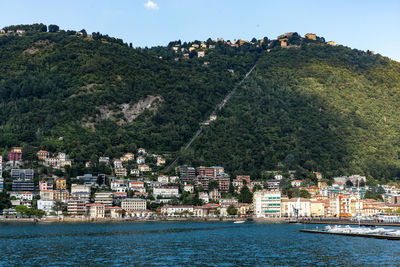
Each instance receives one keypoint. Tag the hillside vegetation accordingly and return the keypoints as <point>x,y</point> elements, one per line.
<point>94,95</point>
<point>312,107</point>
<point>316,108</point>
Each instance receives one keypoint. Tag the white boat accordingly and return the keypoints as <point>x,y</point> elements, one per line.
<point>238,221</point>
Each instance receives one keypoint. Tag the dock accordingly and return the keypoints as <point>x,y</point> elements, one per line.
<point>351,234</point>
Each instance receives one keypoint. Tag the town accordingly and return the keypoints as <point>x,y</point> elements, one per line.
<point>133,190</point>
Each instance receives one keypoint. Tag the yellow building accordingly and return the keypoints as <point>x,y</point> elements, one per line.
<point>61,183</point>
<point>317,208</point>
<point>311,36</point>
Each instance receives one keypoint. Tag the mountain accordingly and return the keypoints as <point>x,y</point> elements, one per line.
<point>92,95</point>
<point>313,108</point>
<point>308,105</point>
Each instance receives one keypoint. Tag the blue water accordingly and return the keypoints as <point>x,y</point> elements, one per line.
<point>187,244</point>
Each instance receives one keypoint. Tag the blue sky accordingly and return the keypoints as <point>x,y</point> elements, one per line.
<point>361,24</point>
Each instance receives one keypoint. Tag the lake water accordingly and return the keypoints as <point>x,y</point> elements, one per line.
<point>187,244</point>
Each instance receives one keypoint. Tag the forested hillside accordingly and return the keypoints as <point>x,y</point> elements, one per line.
<point>311,107</point>
<point>315,108</point>
<point>91,95</point>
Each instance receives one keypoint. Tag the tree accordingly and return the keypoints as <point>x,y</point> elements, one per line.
<point>349,183</point>
<point>23,210</point>
<point>213,185</point>
<point>59,206</point>
<point>43,28</point>
<point>231,189</point>
<point>245,195</point>
<point>5,202</point>
<point>305,194</point>
<point>53,28</point>
<point>231,210</point>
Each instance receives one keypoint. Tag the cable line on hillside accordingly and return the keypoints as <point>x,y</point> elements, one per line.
<point>214,112</point>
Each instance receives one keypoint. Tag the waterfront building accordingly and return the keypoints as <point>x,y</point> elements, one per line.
<point>45,205</point>
<point>133,204</point>
<point>77,207</point>
<point>317,208</point>
<point>96,210</point>
<point>176,210</point>
<point>267,204</point>
<point>113,212</point>
<point>289,207</point>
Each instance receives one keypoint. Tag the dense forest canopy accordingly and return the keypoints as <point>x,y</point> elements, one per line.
<point>309,107</point>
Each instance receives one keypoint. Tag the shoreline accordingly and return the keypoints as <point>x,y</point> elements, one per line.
<point>131,220</point>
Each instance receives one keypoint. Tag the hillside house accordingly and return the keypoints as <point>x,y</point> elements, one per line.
<point>141,151</point>
<point>140,160</point>
<point>311,36</point>
<point>144,168</point>
<point>42,154</point>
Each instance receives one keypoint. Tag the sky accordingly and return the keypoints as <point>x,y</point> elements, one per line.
<point>361,24</point>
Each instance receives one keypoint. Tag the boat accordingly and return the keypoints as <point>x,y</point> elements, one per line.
<point>380,233</point>
<point>239,221</point>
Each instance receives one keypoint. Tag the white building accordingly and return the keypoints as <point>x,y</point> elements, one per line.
<point>296,183</point>
<point>163,179</point>
<point>45,205</point>
<point>134,204</point>
<point>140,160</point>
<point>96,210</point>
<point>204,196</point>
<point>175,210</point>
<point>77,188</point>
<point>173,179</point>
<point>267,204</point>
<point>22,195</point>
<point>188,188</point>
<point>166,191</point>
<point>117,184</point>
